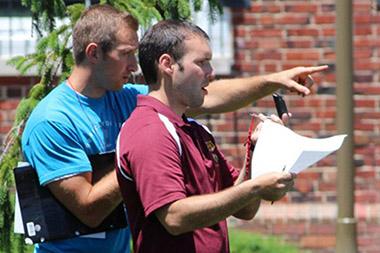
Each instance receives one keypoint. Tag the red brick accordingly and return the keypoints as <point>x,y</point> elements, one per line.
<point>266,32</point>
<point>309,176</point>
<point>328,8</point>
<point>364,53</point>
<point>270,68</point>
<point>375,19</point>
<point>318,241</point>
<point>298,44</point>
<point>325,114</point>
<point>4,129</point>
<point>227,126</point>
<point>368,115</point>
<point>367,196</point>
<point>296,103</point>
<point>269,43</point>
<point>329,55</point>
<point>240,56</point>
<point>266,20</point>
<point>325,19</point>
<point>9,104</point>
<point>303,55</point>
<point>364,126</point>
<point>322,229</point>
<point>362,30</point>
<point>281,229</point>
<point>261,8</point>
<point>361,139</point>
<point>246,67</point>
<point>324,186</point>
<point>271,8</point>
<point>373,228</point>
<point>365,103</point>
<point>362,19</point>
<point>301,7</point>
<point>366,42</point>
<point>313,101</point>
<point>11,115</point>
<point>266,55</point>
<point>302,32</point>
<point>249,19</point>
<point>362,7</point>
<point>243,19</point>
<point>239,31</point>
<point>303,185</point>
<point>331,103</point>
<point>244,44</point>
<point>365,174</point>
<point>328,31</point>
<point>366,89</point>
<point>293,19</point>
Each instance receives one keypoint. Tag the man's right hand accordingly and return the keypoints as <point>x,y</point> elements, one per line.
<point>274,185</point>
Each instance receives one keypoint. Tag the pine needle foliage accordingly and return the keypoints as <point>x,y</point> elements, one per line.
<point>53,61</point>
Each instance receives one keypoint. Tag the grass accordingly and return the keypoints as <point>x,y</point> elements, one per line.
<point>245,242</point>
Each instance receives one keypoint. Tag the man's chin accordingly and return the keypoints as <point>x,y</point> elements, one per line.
<point>196,105</point>
<point>118,86</point>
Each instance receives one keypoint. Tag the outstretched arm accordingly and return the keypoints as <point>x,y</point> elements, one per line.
<point>231,94</point>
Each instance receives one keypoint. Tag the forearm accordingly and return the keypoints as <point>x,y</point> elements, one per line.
<point>103,198</point>
<point>206,210</point>
<point>89,203</point>
<point>249,211</point>
<point>231,94</point>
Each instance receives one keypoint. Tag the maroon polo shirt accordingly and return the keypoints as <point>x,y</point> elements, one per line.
<point>160,175</point>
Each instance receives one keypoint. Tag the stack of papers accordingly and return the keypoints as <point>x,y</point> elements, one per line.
<point>280,149</point>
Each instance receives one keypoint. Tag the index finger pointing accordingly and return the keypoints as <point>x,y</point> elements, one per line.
<point>312,70</point>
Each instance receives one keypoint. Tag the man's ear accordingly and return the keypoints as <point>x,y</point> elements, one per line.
<point>92,52</point>
<point>166,64</point>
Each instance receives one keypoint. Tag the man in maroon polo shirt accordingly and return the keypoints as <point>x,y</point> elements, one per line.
<point>177,186</point>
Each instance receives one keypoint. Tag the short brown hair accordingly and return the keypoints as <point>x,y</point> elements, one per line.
<point>165,37</point>
<point>99,24</point>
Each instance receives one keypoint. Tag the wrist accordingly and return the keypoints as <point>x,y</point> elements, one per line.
<point>270,82</point>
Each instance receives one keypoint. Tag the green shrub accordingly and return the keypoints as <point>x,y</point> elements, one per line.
<point>245,242</point>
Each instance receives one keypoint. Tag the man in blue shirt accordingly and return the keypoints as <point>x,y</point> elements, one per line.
<point>83,115</point>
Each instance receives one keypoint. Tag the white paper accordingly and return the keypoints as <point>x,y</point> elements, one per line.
<point>280,149</point>
<point>18,225</point>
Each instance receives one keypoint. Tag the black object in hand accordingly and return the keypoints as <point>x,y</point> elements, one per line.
<point>280,104</point>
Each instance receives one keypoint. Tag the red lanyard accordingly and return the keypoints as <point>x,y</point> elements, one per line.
<point>249,148</point>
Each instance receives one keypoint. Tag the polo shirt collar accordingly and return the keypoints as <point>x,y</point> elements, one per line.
<point>158,106</point>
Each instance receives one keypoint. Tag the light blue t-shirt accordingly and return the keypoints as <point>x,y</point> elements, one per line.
<point>62,131</point>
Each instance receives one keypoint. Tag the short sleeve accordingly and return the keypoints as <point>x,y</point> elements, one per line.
<point>155,164</point>
<point>54,151</point>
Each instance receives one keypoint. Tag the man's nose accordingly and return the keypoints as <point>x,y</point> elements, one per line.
<point>132,63</point>
<point>211,74</point>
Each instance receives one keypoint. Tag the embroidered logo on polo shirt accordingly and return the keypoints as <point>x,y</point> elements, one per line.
<point>210,145</point>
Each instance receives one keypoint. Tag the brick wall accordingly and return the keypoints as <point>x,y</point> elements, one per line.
<point>11,90</point>
<point>276,35</point>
